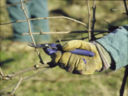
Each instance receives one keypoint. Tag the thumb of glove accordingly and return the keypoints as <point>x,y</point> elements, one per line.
<point>56,57</point>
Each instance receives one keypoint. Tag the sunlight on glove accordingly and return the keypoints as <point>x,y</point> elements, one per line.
<point>76,63</point>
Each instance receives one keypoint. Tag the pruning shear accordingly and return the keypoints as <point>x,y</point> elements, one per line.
<point>52,48</point>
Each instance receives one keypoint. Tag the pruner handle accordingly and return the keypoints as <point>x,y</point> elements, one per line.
<point>83,52</point>
<point>76,51</point>
<point>53,48</point>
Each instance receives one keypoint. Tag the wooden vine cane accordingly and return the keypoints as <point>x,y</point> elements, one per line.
<point>122,88</point>
<point>92,37</point>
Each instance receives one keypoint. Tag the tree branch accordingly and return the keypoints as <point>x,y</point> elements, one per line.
<point>89,21</point>
<point>35,67</point>
<point>16,87</point>
<point>30,30</point>
<point>24,79</point>
<point>1,73</point>
<point>126,6</point>
<point>64,32</point>
<point>93,20</point>
<point>52,17</point>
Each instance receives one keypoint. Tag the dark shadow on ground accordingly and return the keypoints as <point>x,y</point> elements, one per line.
<point>2,63</point>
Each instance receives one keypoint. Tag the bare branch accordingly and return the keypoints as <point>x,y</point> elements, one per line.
<point>93,20</point>
<point>124,81</point>
<point>89,21</point>
<point>63,32</point>
<point>61,79</point>
<point>30,30</point>
<point>53,17</point>
<point>1,73</point>
<point>35,67</point>
<point>24,79</point>
<point>126,6</point>
<point>42,33</point>
<point>28,21</point>
<point>96,34</point>
<point>16,87</point>
<point>33,75</point>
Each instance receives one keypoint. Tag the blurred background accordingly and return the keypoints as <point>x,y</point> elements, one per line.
<point>57,82</point>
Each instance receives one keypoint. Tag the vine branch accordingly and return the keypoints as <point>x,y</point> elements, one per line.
<point>93,20</point>
<point>89,21</point>
<point>126,6</point>
<point>30,30</point>
<point>35,67</point>
<point>64,32</point>
<point>16,87</point>
<point>52,17</point>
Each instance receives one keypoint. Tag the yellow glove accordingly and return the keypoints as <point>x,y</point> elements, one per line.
<point>75,63</point>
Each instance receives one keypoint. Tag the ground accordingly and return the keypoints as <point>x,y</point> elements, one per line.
<point>57,82</point>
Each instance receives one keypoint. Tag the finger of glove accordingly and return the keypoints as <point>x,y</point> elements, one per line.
<point>91,66</point>
<point>94,63</point>
<point>72,62</point>
<point>85,69</point>
<point>78,44</point>
<point>64,59</point>
<point>80,66</point>
<point>57,56</point>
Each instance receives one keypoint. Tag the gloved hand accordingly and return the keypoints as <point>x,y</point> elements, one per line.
<point>78,63</point>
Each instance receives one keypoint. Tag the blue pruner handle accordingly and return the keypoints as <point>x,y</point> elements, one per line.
<point>53,48</point>
<point>76,51</point>
<point>83,52</point>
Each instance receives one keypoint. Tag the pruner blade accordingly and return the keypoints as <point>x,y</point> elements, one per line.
<point>38,45</point>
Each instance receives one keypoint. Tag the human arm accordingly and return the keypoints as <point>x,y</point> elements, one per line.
<point>108,52</point>
<point>116,44</point>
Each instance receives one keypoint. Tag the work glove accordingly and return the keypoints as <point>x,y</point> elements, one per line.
<point>79,64</point>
